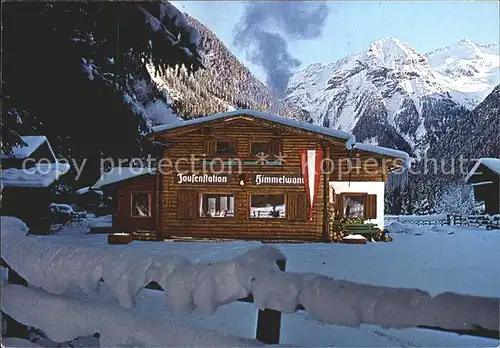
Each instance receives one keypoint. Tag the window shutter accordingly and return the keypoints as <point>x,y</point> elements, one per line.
<point>339,205</point>
<point>301,206</point>
<point>371,207</point>
<point>296,206</point>
<point>209,146</point>
<point>187,204</point>
<point>291,206</point>
<point>275,147</point>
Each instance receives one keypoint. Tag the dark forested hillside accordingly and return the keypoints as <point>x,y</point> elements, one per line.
<point>476,134</point>
<point>94,76</point>
<point>76,72</point>
<point>225,84</point>
<point>473,136</point>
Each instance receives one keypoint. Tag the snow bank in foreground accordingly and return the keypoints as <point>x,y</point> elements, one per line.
<point>116,326</point>
<point>61,269</point>
<point>65,269</point>
<point>348,303</point>
<point>17,342</point>
<point>202,287</point>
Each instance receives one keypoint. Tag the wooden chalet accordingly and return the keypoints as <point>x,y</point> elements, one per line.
<point>484,178</point>
<point>254,176</point>
<point>28,178</point>
<point>135,195</point>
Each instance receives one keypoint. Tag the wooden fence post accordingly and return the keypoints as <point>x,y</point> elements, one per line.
<point>13,327</point>
<point>15,278</point>
<point>269,320</point>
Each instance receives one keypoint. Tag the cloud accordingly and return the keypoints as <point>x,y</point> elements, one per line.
<point>265,30</point>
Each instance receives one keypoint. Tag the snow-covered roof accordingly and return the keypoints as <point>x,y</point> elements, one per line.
<point>350,139</point>
<point>118,174</point>
<point>41,175</point>
<point>491,163</point>
<point>87,189</point>
<point>384,151</point>
<point>33,142</point>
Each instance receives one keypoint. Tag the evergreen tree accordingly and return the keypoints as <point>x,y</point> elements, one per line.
<point>70,71</point>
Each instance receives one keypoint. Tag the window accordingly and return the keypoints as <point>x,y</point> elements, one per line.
<point>259,147</point>
<point>141,204</point>
<point>217,205</point>
<point>269,206</point>
<point>224,147</point>
<point>354,206</point>
<point>271,148</point>
<point>358,205</point>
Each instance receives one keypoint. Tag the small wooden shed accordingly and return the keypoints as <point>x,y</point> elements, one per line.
<point>28,178</point>
<point>134,193</point>
<point>484,178</point>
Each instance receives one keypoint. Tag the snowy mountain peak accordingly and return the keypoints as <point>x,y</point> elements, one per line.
<point>394,53</point>
<point>464,49</point>
<point>466,43</point>
<point>392,92</point>
<point>491,49</point>
<point>470,71</point>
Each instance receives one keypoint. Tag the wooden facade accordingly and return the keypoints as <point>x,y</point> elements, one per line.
<point>182,203</point>
<point>188,186</point>
<point>130,195</point>
<point>485,183</point>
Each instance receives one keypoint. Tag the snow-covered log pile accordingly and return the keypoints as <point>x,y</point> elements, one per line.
<point>202,287</point>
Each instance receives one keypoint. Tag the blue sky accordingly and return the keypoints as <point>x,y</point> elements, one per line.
<point>352,25</point>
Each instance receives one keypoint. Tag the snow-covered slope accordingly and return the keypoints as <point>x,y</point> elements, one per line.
<point>469,70</point>
<point>225,85</point>
<point>391,94</point>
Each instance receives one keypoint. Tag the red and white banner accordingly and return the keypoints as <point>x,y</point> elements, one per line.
<point>311,170</point>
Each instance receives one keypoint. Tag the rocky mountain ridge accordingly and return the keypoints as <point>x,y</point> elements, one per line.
<point>390,94</point>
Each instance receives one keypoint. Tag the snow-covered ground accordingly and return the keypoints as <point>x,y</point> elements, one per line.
<point>436,259</point>
<point>425,257</point>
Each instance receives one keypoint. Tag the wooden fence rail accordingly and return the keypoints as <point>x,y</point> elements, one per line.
<point>475,220</point>
<point>485,221</point>
<point>268,320</point>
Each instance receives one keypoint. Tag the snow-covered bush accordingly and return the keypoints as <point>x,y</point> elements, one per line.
<point>456,199</point>
<point>61,208</point>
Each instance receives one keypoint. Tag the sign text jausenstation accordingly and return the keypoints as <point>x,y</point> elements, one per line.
<point>264,179</point>
<point>183,178</point>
